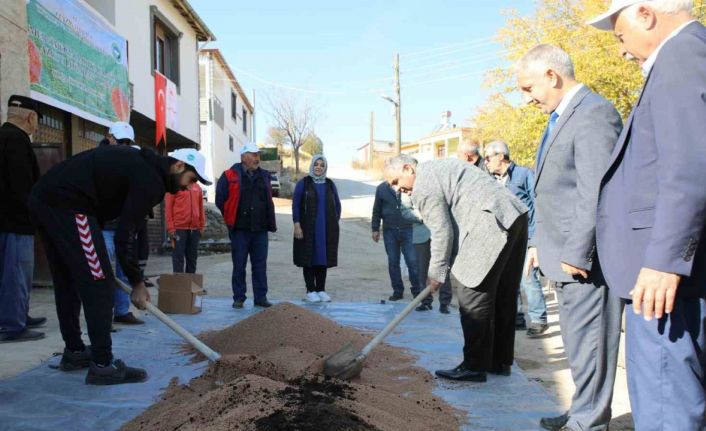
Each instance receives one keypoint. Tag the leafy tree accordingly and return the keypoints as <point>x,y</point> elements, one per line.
<point>313,145</point>
<point>596,61</point>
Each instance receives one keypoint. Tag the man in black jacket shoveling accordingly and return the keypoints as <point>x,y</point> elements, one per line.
<point>69,205</point>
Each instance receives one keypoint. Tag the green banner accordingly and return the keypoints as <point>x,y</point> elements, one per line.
<point>77,62</point>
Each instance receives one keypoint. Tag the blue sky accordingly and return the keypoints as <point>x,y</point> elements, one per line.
<point>338,55</point>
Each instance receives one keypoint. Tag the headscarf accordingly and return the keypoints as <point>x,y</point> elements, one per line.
<point>321,178</point>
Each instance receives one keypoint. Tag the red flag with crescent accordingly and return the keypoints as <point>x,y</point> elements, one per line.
<point>160,107</point>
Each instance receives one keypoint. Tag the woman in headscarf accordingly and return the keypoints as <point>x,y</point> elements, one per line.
<point>316,210</point>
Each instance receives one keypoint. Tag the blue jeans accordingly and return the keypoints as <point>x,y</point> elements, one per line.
<point>16,267</point>
<point>121,304</point>
<point>396,241</point>
<point>536,306</point>
<point>254,244</point>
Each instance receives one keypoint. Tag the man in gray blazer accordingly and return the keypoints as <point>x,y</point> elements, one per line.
<point>652,210</point>
<point>479,233</point>
<point>571,159</point>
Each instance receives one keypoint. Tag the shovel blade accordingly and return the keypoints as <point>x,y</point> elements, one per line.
<point>345,364</point>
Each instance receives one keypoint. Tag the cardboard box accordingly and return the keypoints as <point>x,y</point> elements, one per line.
<point>180,293</point>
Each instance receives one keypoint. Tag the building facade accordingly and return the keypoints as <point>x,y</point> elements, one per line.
<point>442,142</point>
<point>227,116</point>
<point>93,62</point>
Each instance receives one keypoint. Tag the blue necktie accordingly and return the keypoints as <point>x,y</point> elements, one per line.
<point>545,138</point>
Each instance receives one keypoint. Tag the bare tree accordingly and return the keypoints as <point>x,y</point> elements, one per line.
<point>295,117</point>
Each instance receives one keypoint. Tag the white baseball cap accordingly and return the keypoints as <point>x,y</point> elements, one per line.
<point>605,20</point>
<point>122,130</point>
<point>249,147</point>
<point>196,160</point>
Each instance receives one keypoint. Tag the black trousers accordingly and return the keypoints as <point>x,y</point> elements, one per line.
<point>187,249</point>
<point>315,278</point>
<point>143,246</point>
<point>82,274</point>
<point>488,311</point>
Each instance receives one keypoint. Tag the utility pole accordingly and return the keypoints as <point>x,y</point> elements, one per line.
<point>398,119</point>
<point>371,147</point>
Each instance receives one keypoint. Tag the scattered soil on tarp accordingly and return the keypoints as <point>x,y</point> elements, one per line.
<point>269,379</point>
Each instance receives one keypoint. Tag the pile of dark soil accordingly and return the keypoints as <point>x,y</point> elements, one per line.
<point>270,379</point>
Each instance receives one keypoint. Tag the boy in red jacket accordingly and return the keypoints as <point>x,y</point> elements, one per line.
<point>186,220</point>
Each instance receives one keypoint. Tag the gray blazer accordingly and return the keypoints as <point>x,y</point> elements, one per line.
<point>567,182</point>
<point>468,213</point>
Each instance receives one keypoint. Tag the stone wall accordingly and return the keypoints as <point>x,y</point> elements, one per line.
<point>14,58</point>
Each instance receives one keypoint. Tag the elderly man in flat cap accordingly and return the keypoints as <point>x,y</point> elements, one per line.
<point>18,173</point>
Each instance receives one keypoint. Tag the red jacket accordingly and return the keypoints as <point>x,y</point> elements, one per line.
<point>185,210</point>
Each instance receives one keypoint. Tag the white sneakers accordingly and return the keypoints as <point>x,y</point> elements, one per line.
<point>318,297</point>
<point>313,297</point>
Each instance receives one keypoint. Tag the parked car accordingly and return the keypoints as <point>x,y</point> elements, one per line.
<point>275,184</point>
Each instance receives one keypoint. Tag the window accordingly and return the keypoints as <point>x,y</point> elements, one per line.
<point>230,143</point>
<point>165,46</point>
<point>233,105</point>
<point>159,47</point>
<point>245,121</point>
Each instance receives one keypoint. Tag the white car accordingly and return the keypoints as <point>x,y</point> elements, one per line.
<point>275,184</point>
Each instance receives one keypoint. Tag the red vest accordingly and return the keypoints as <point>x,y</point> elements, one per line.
<point>230,209</point>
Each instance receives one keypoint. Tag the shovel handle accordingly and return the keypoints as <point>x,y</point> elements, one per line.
<point>396,321</point>
<point>198,345</point>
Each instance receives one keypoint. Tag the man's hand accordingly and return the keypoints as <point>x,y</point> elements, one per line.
<point>376,236</point>
<point>654,293</point>
<point>573,271</point>
<point>532,260</point>
<point>298,232</point>
<point>435,285</point>
<point>140,296</point>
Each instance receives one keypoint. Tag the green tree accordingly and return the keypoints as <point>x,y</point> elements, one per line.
<point>596,61</point>
<point>313,145</point>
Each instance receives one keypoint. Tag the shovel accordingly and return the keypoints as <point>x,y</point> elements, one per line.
<point>347,363</point>
<point>198,345</point>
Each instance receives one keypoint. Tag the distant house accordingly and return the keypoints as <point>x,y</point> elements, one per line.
<point>442,142</point>
<point>226,115</point>
<point>382,150</point>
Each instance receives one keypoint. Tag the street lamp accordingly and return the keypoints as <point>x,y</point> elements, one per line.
<point>398,125</point>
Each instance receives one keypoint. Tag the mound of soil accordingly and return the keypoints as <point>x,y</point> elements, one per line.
<point>270,379</point>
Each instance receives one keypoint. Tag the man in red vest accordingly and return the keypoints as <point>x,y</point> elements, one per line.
<point>244,196</point>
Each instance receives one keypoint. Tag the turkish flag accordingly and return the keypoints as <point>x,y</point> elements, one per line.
<point>160,107</point>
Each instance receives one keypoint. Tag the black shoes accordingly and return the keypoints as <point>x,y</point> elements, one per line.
<point>396,297</point>
<point>535,330</point>
<point>263,303</point>
<point>72,361</point>
<point>501,370</point>
<point>115,373</point>
<point>18,337</point>
<point>128,319</point>
<point>556,423</point>
<point>520,324</point>
<point>35,322</point>
<point>238,304</point>
<point>423,307</point>
<point>444,309</point>
<point>461,373</point>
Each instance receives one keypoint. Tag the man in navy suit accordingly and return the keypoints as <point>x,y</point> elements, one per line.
<point>651,213</point>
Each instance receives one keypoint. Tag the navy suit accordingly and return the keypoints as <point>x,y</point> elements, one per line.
<point>651,213</point>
